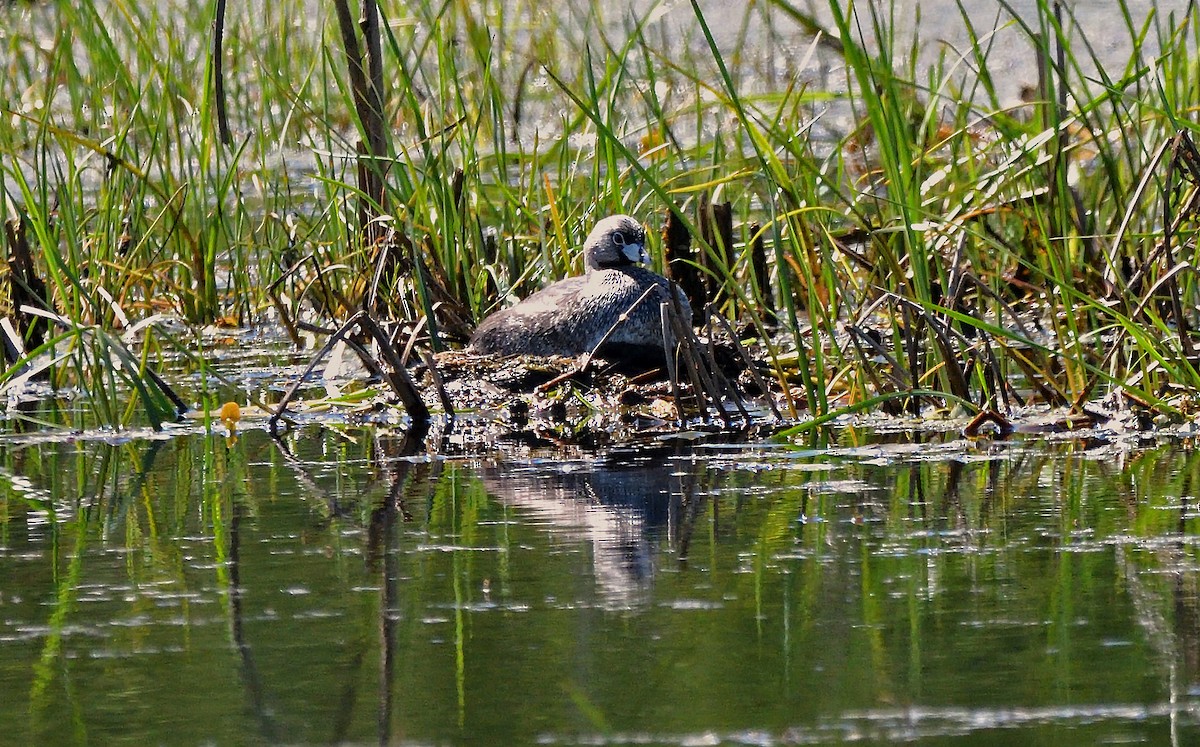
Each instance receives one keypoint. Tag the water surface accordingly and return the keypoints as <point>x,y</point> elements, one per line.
<point>331,588</point>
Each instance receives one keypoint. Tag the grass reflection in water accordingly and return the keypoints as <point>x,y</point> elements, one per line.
<point>338,589</point>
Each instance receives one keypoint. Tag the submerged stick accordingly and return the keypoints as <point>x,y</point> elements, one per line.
<point>401,383</point>
<point>438,383</point>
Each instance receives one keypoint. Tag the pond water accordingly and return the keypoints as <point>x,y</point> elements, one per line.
<point>340,586</point>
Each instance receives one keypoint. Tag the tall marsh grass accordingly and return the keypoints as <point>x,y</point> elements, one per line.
<point>927,239</point>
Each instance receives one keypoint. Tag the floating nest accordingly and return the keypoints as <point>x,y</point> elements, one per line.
<point>710,383</point>
<point>579,399</point>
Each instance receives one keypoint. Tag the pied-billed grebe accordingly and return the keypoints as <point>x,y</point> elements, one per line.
<point>572,316</point>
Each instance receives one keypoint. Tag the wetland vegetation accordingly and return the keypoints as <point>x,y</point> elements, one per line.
<point>876,231</point>
<point>804,532</point>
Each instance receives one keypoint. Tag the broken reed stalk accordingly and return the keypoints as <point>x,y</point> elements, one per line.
<point>703,390</point>
<point>1185,157</point>
<point>760,272</point>
<point>366,85</point>
<point>942,332</point>
<point>883,379</point>
<point>1180,143</point>
<point>586,359</point>
<point>703,372</point>
<point>25,289</point>
<point>367,92</point>
<point>715,221</point>
<point>745,356</point>
<point>398,378</point>
<point>680,260</point>
<point>664,310</point>
<point>218,74</point>
<point>621,319</point>
<point>387,262</point>
<point>718,377</point>
<point>438,383</point>
<point>998,384</point>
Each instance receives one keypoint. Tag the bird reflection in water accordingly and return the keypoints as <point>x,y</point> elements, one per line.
<point>620,505</point>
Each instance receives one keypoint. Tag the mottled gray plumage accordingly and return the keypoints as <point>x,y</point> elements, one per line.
<point>570,317</point>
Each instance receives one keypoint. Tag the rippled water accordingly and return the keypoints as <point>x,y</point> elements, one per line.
<point>331,589</point>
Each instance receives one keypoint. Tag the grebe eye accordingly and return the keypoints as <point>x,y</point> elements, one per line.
<point>619,238</point>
